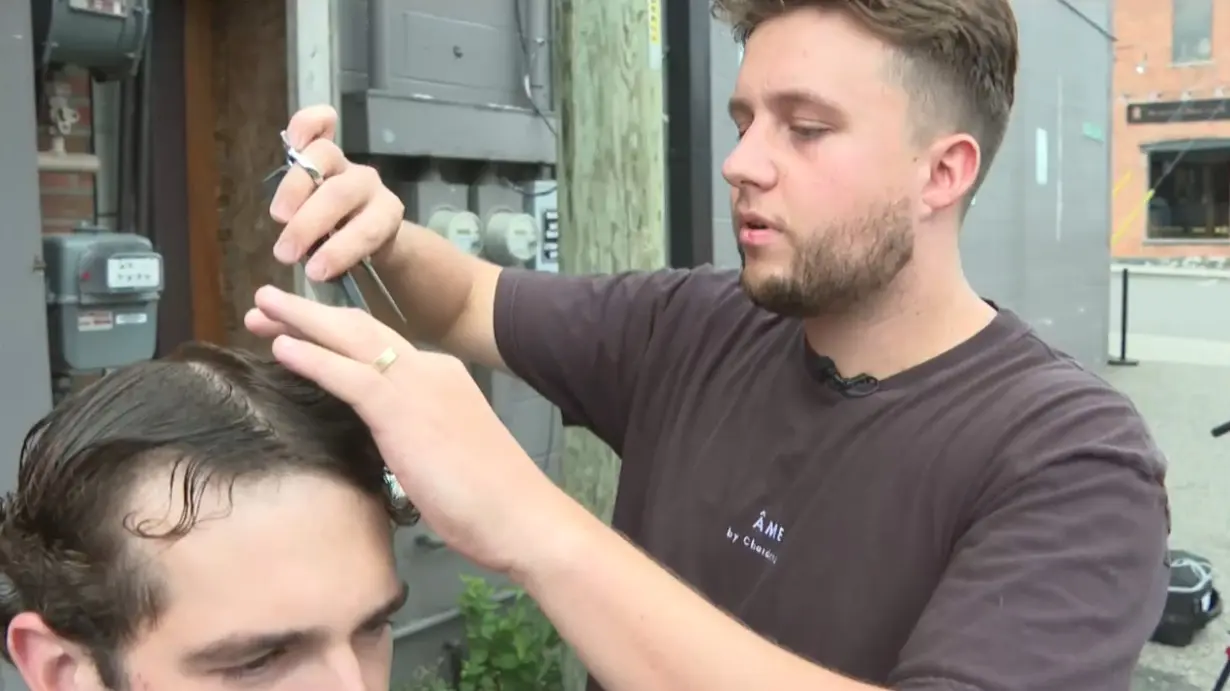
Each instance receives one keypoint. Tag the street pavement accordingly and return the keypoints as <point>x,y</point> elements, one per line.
<point>1181,401</point>
<point>1179,332</point>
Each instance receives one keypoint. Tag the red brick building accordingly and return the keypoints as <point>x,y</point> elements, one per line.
<point>68,197</point>
<point>1171,134</point>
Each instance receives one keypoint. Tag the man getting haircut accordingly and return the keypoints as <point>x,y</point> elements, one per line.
<point>204,521</point>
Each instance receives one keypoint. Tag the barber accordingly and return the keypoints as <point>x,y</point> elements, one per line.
<point>842,468</point>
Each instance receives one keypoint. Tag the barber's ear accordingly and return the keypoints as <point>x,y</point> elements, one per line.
<point>46,661</point>
<point>954,162</point>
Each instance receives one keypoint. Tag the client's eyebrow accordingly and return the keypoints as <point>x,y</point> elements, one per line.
<point>244,647</point>
<point>388,609</point>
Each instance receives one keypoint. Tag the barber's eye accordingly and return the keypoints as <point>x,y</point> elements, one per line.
<point>376,628</point>
<point>808,132</point>
<point>255,666</point>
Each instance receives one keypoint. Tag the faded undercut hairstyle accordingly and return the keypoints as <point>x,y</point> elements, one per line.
<point>210,416</point>
<point>957,59</point>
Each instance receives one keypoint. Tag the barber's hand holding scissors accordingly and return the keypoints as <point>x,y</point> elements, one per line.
<point>456,461</point>
<point>328,196</point>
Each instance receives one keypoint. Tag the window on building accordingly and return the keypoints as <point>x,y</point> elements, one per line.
<point>1191,194</point>
<point>1192,37</point>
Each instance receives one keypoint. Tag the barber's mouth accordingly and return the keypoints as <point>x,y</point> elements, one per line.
<point>756,235</point>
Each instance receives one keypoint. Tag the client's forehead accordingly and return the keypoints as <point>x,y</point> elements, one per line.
<point>286,551</point>
<point>181,494</point>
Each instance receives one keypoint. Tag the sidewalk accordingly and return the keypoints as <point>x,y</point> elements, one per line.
<point>1183,389</point>
<point>1175,350</point>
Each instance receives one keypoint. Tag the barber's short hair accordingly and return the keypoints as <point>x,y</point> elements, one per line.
<point>207,414</point>
<point>957,58</point>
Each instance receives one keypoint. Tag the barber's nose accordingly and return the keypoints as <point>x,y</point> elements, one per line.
<point>749,164</point>
<point>346,672</point>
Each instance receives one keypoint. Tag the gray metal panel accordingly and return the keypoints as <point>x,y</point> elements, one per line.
<point>25,376</point>
<point>993,240</point>
<point>352,45</point>
<point>1036,239</point>
<point>442,79</point>
<point>24,365</point>
<point>469,51</point>
<point>383,123</point>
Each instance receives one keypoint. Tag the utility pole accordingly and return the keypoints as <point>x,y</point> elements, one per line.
<point>608,85</point>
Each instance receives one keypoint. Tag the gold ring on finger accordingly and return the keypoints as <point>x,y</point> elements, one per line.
<point>385,360</point>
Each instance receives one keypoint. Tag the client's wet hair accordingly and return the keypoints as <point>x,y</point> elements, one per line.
<point>208,415</point>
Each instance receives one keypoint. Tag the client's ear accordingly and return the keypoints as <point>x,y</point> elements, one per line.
<point>46,661</point>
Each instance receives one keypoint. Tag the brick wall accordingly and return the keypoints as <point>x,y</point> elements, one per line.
<point>68,198</point>
<point>1143,72</point>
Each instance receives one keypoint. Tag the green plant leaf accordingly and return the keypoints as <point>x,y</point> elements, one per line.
<point>509,645</point>
<point>505,661</point>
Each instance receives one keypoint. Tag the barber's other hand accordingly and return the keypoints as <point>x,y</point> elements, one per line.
<point>351,201</point>
<point>472,482</point>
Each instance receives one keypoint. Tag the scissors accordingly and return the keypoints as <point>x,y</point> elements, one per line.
<point>356,285</point>
<point>360,286</point>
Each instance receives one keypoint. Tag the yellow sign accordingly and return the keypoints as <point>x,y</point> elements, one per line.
<point>655,22</point>
<point>655,34</point>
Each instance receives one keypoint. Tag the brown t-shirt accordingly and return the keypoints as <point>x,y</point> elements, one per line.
<point>992,520</point>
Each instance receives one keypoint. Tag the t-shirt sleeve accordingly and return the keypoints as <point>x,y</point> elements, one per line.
<point>1055,586</point>
<point>581,341</point>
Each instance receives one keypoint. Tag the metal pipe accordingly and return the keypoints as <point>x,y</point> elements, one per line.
<point>145,160</point>
<point>1122,360</point>
<point>449,615</point>
<point>689,134</point>
<point>126,157</point>
<point>68,163</point>
<point>1123,315</point>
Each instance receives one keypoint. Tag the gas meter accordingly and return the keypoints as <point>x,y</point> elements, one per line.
<point>107,37</point>
<point>102,299</point>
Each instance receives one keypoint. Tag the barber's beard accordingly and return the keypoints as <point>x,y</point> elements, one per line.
<point>840,269</point>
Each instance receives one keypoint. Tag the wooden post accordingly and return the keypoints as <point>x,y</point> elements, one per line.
<point>209,308</point>
<point>608,85</point>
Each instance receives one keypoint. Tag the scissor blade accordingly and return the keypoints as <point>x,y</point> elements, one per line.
<point>344,285</point>
<point>379,302</point>
<point>270,184</point>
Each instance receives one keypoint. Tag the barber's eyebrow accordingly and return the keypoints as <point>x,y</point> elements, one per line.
<point>792,100</point>
<point>240,648</point>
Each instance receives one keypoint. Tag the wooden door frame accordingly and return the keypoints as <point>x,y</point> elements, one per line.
<point>201,164</point>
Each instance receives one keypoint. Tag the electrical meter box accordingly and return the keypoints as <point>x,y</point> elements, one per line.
<point>102,299</point>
